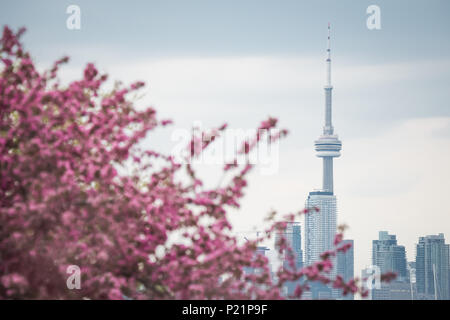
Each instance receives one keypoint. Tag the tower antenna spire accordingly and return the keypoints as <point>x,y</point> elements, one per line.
<point>329,56</point>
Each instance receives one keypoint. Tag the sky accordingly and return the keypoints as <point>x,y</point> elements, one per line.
<point>210,61</point>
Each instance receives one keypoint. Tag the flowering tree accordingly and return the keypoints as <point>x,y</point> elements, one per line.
<point>64,200</point>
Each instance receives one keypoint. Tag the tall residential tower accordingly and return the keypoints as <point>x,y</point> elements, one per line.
<point>432,268</point>
<point>346,265</point>
<point>293,237</point>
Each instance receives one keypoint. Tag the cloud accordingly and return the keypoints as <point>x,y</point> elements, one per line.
<point>205,77</point>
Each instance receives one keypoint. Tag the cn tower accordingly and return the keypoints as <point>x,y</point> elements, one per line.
<point>320,227</point>
<point>328,145</point>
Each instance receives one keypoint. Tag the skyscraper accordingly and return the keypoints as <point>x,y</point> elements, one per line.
<point>345,265</point>
<point>320,227</point>
<point>293,237</point>
<point>432,268</point>
<point>391,257</point>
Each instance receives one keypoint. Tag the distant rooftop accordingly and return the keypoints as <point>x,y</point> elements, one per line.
<point>321,193</point>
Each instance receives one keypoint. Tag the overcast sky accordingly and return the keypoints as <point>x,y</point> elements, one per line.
<point>240,61</point>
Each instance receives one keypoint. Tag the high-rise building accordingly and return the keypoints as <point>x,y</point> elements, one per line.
<point>320,227</point>
<point>260,251</point>
<point>345,265</point>
<point>432,268</point>
<point>388,256</point>
<point>293,237</point>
